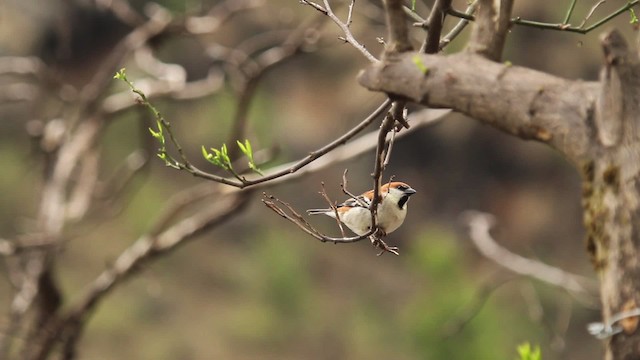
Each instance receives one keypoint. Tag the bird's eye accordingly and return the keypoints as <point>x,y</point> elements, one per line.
<point>402,187</point>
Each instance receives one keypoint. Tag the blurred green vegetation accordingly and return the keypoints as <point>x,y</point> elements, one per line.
<point>266,301</point>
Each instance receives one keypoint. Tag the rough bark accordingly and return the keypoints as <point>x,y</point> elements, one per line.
<point>595,125</point>
<point>526,103</point>
<point>489,35</point>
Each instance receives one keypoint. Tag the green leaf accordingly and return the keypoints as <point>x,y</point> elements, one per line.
<point>242,147</point>
<point>156,135</point>
<point>527,353</point>
<point>205,154</point>
<point>121,74</point>
<point>634,18</point>
<point>225,154</point>
<point>249,150</point>
<point>216,158</point>
<point>253,167</point>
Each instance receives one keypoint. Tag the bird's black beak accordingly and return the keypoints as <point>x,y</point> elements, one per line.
<point>407,194</point>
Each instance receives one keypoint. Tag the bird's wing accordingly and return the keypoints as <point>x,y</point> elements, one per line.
<point>360,201</point>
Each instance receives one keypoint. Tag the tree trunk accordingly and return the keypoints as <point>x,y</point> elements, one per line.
<point>611,194</point>
<point>595,125</point>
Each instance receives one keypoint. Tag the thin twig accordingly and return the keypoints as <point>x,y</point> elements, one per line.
<point>297,165</point>
<point>358,146</point>
<point>348,35</point>
<point>218,16</point>
<point>591,12</point>
<point>581,29</point>
<point>264,62</point>
<point>361,145</point>
<point>386,126</point>
<point>435,22</point>
<point>446,40</point>
<point>350,13</point>
<point>278,206</point>
<point>390,143</point>
<point>315,6</point>
<point>334,208</point>
<point>343,186</point>
<point>569,12</point>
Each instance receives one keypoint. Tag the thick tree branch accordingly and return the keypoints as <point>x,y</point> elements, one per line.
<point>397,25</point>
<point>491,28</point>
<point>617,108</point>
<point>523,102</point>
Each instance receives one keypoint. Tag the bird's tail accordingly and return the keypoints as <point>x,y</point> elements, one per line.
<point>317,211</point>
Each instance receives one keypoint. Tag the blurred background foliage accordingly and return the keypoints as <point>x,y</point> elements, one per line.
<point>258,288</point>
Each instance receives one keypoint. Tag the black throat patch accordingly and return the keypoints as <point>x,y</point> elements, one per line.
<point>403,200</point>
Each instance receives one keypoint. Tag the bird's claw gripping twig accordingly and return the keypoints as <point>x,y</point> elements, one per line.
<point>380,244</point>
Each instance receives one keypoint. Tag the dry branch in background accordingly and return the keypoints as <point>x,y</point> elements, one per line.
<point>72,189</point>
<point>479,226</point>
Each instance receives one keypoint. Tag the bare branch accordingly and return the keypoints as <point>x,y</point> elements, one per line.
<point>332,204</point>
<point>286,211</point>
<point>287,172</point>
<point>276,55</point>
<point>21,65</point>
<point>479,226</point>
<point>122,10</point>
<point>350,13</point>
<point>356,147</point>
<point>461,25</point>
<point>387,125</point>
<point>144,250</point>
<point>315,6</point>
<point>80,134</point>
<point>387,157</point>
<point>353,149</point>
<point>564,26</point>
<point>343,186</point>
<point>344,26</point>
<point>157,89</point>
<point>218,15</point>
<point>590,13</point>
<point>159,20</point>
<point>82,193</point>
